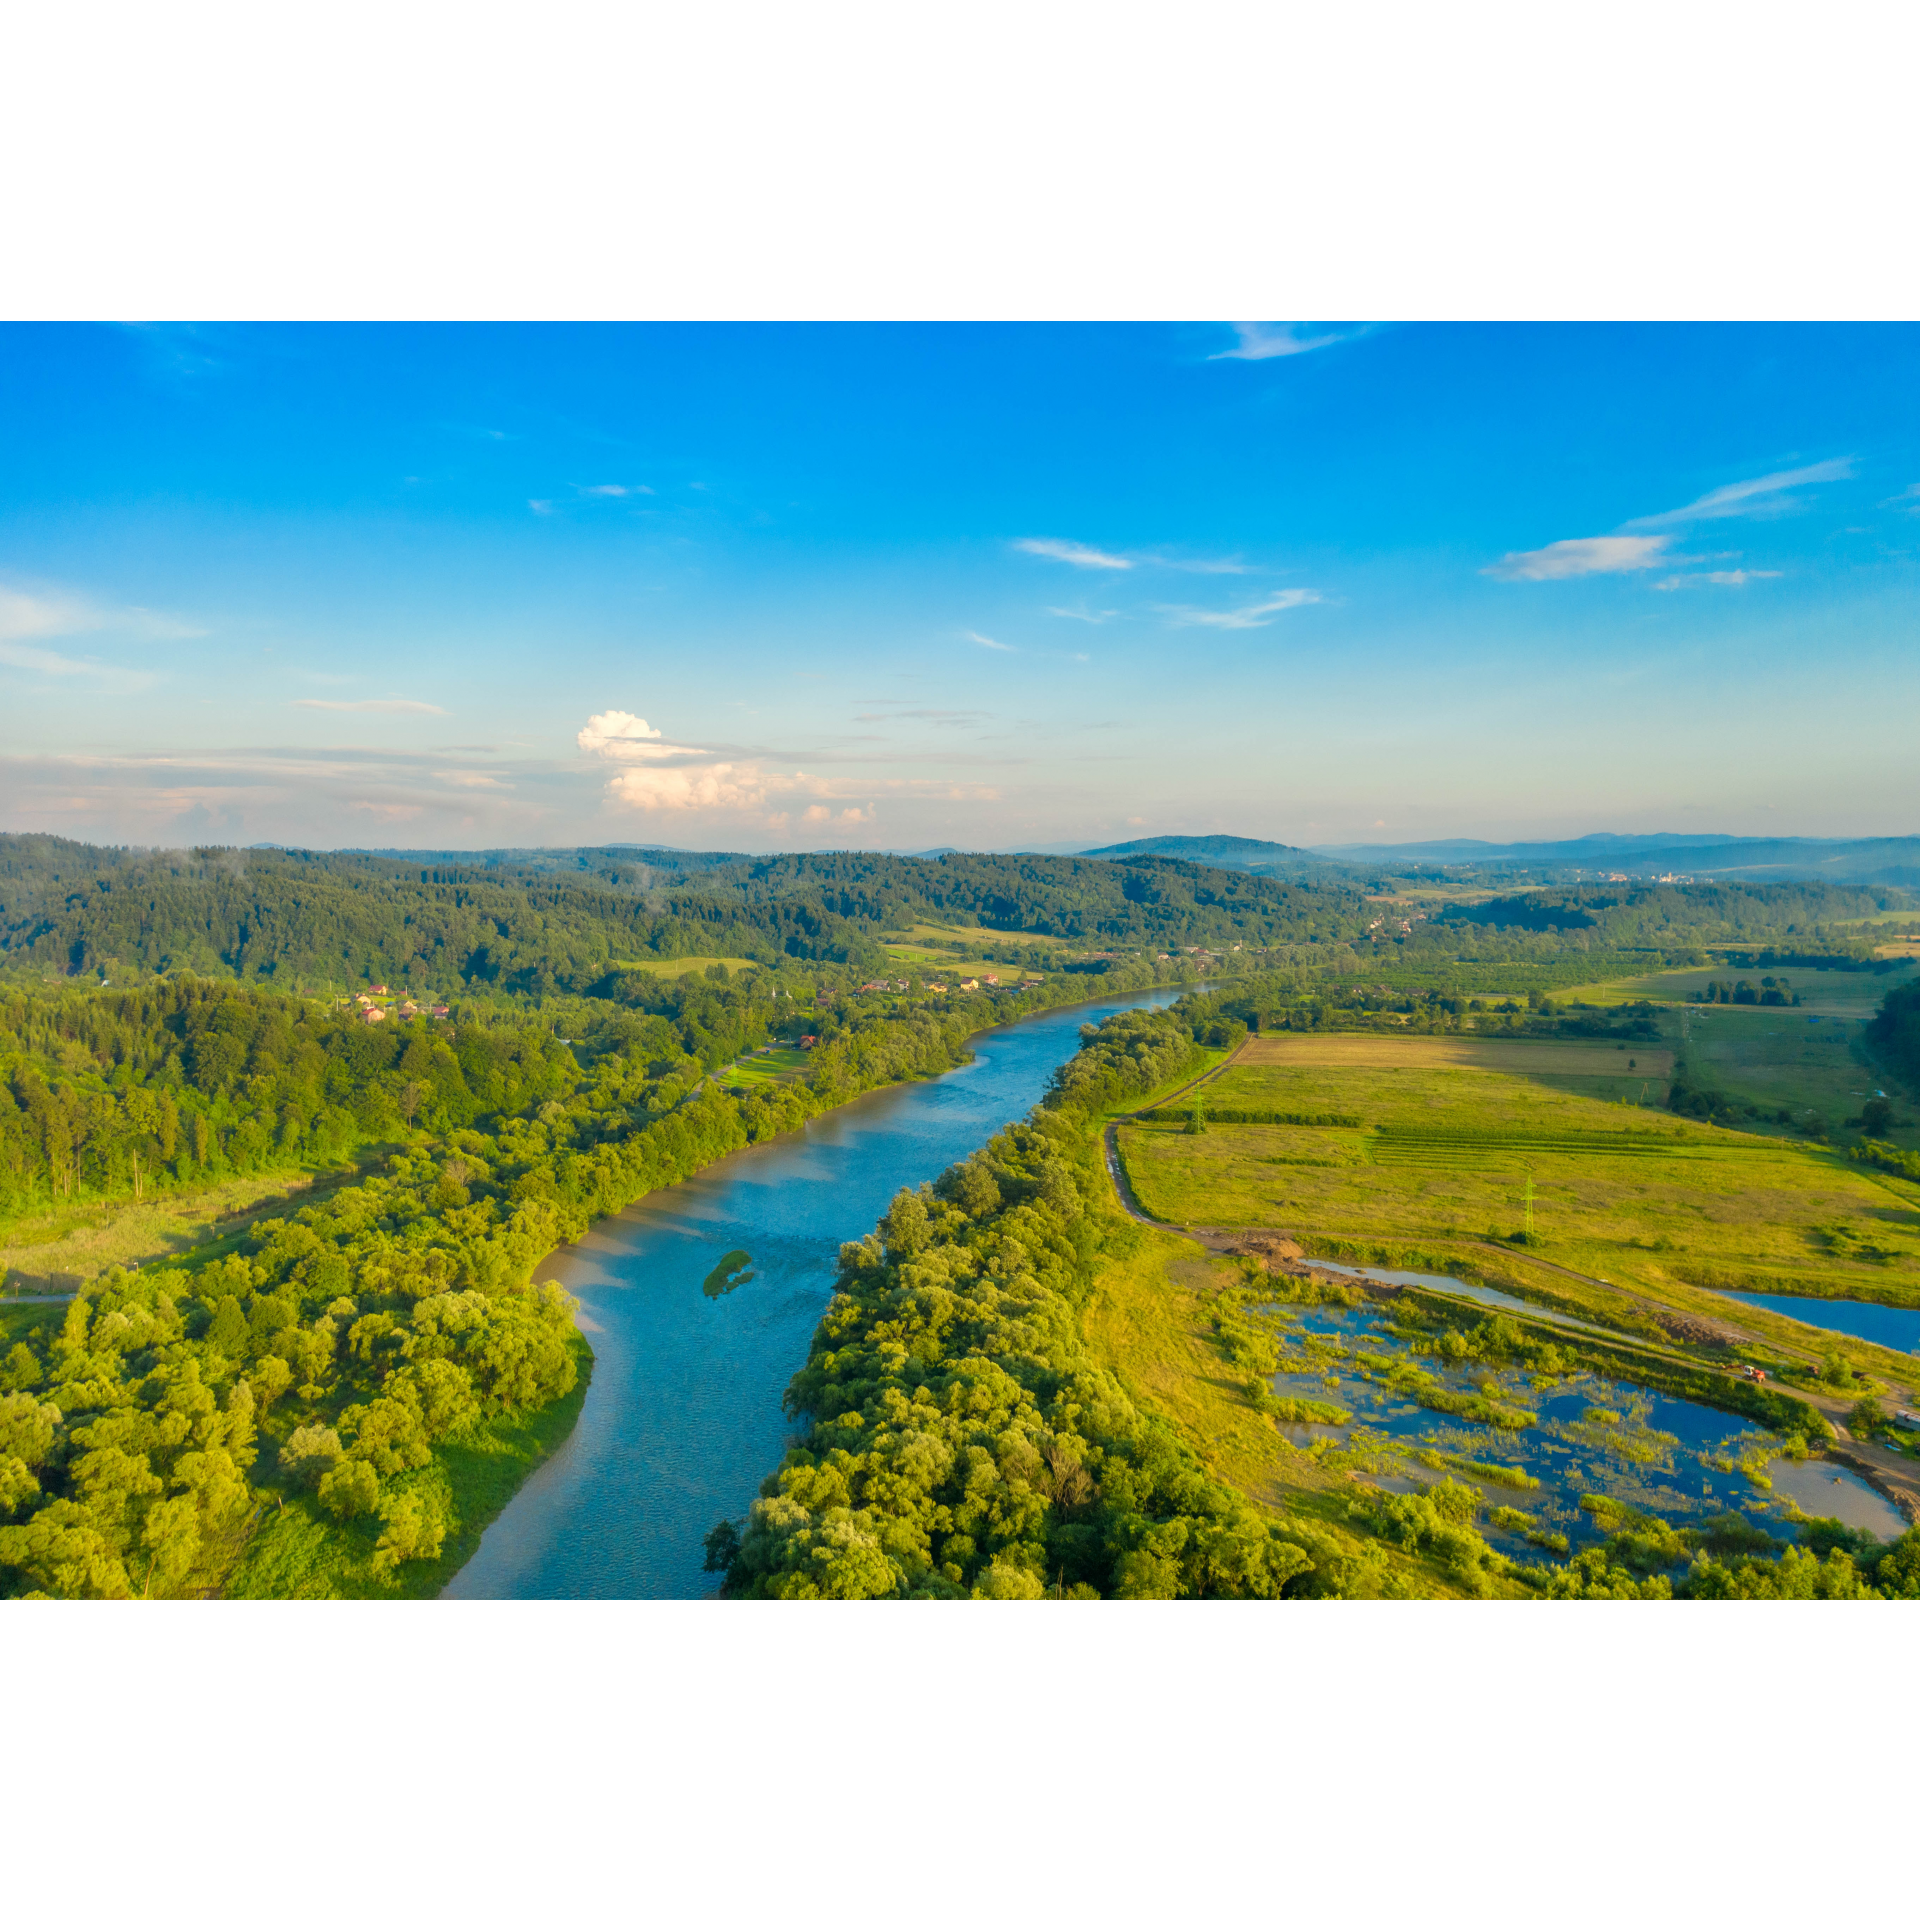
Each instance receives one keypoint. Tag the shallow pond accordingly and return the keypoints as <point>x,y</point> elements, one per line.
<point>1895,1327</point>
<point>692,1352</point>
<point>1591,1436</point>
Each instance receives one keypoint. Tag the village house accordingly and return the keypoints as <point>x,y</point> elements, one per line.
<point>374,1015</point>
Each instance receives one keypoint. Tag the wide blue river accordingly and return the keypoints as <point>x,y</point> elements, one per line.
<point>683,1418</point>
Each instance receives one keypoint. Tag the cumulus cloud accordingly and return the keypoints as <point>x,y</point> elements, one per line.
<point>1074,554</point>
<point>460,777</point>
<point>1271,340</point>
<point>370,706</point>
<point>684,789</point>
<point>1568,559</point>
<point>1236,618</point>
<point>981,640</point>
<point>615,735</point>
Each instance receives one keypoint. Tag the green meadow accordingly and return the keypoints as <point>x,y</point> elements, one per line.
<point>1627,1194</point>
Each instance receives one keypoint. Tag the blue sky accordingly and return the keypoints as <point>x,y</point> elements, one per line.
<point>791,586</point>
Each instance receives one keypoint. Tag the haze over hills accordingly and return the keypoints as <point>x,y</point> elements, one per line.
<point>1893,860</point>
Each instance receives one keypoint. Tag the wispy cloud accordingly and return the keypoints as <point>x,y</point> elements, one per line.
<point>541,506</point>
<point>981,640</point>
<point>1770,494</point>
<point>370,706</point>
<point>612,492</point>
<point>1074,554</point>
<point>1908,499</point>
<point>43,615</point>
<point>1734,577</point>
<point>61,666</point>
<point>1275,340</point>
<point>1232,564</point>
<point>1236,618</point>
<point>1093,619</point>
<point>1568,559</point>
<point>1638,546</point>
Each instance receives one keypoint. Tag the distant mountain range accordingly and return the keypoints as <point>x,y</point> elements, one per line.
<point>1218,850</point>
<point>1893,860</point>
<point>1889,861</point>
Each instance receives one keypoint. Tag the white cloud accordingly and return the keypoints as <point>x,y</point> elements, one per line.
<point>1749,498</point>
<point>1235,618</point>
<point>1736,577</point>
<point>541,506</point>
<point>1633,552</point>
<point>1270,340</point>
<point>610,732</point>
<point>370,706</point>
<point>683,789</point>
<point>612,492</point>
<point>459,777</point>
<point>1909,499</point>
<point>1074,554</point>
<point>615,735</point>
<point>981,640</point>
<point>1568,559</point>
<point>1080,613</point>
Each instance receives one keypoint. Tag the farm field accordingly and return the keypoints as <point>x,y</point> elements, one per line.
<point>687,963</point>
<point>1561,1058</point>
<point>1808,1058</point>
<point>1635,1196</point>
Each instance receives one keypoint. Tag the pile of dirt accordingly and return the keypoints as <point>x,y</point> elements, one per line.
<point>1695,1331</point>
<point>1275,1253</point>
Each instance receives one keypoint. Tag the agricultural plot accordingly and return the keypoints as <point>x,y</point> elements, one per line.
<point>1448,1154</point>
<point>1530,1058</point>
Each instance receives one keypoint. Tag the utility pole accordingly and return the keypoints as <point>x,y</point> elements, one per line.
<point>1529,1224</point>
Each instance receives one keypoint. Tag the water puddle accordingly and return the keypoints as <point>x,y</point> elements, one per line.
<point>1832,1493</point>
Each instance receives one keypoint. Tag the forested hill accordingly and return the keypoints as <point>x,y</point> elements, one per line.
<point>337,919</point>
<point>1657,916</point>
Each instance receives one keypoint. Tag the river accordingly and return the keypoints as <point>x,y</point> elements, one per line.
<point>683,1418</point>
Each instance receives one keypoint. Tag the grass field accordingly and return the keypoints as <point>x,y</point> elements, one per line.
<point>58,1254</point>
<point>1627,1194</point>
<point>687,963</point>
<point>756,1069</point>
<point>1809,1059</point>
